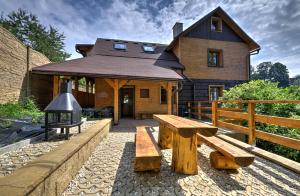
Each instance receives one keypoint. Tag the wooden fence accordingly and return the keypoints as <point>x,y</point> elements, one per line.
<point>231,118</point>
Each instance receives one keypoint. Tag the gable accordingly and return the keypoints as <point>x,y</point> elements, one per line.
<point>203,31</point>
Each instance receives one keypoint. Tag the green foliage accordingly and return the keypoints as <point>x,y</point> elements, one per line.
<point>264,90</point>
<point>28,29</point>
<point>276,72</point>
<point>25,108</point>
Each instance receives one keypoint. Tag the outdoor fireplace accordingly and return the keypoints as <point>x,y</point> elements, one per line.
<point>63,112</point>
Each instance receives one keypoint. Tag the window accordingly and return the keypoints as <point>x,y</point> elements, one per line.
<point>215,92</point>
<point>120,46</point>
<point>216,24</point>
<point>144,93</point>
<point>148,49</point>
<point>163,95</point>
<point>215,58</point>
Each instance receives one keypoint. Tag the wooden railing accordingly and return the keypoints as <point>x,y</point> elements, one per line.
<point>199,109</point>
<point>220,113</point>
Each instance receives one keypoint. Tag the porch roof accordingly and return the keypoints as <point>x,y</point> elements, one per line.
<point>113,67</point>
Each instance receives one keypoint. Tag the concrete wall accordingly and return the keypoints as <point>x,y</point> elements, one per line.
<point>192,53</point>
<point>15,60</point>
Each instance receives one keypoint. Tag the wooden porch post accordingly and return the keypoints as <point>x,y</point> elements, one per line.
<point>76,88</point>
<point>116,101</point>
<point>55,85</point>
<point>169,97</point>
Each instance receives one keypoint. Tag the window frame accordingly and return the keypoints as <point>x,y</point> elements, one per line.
<point>220,57</point>
<point>148,51</point>
<point>142,95</point>
<point>214,18</point>
<point>160,100</point>
<point>221,86</point>
<point>122,49</point>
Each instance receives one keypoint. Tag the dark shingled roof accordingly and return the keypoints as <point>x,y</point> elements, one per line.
<point>102,60</point>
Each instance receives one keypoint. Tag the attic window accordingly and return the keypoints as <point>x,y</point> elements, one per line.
<point>120,46</point>
<point>216,24</point>
<point>148,49</point>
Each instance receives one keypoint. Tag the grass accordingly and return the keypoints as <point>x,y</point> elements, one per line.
<point>18,110</point>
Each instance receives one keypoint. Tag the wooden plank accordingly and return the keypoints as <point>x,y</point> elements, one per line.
<point>169,98</point>
<point>219,161</point>
<point>278,139</point>
<point>110,82</point>
<point>184,154</point>
<point>231,109</point>
<point>147,153</point>
<point>285,122</point>
<point>251,123</point>
<point>202,108</point>
<point>55,85</point>
<point>234,153</point>
<point>235,115</point>
<point>234,127</point>
<point>260,101</point>
<point>214,113</point>
<point>285,162</point>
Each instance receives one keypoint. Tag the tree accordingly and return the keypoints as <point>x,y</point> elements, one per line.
<point>28,29</point>
<point>296,80</point>
<point>279,73</point>
<point>263,70</point>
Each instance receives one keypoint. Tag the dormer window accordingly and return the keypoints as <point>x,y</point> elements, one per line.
<point>216,24</point>
<point>120,46</point>
<point>148,49</point>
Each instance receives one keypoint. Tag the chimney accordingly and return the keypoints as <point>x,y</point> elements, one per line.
<point>177,29</point>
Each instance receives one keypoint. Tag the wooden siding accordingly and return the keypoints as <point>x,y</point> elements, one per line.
<point>104,95</point>
<point>41,89</point>
<point>198,89</point>
<point>193,55</point>
<point>203,31</point>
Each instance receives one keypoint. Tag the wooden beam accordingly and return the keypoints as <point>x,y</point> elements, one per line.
<point>116,101</point>
<point>169,97</point>
<point>110,82</point>
<point>235,115</point>
<point>285,122</point>
<point>251,123</point>
<point>165,136</point>
<point>234,127</point>
<point>55,85</point>
<point>122,83</point>
<point>214,113</point>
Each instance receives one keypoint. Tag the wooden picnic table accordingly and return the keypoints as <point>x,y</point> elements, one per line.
<point>180,134</point>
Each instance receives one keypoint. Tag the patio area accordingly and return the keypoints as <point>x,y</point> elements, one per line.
<point>109,171</point>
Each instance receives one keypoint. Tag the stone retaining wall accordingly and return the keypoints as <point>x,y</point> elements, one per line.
<point>51,173</point>
<point>16,60</point>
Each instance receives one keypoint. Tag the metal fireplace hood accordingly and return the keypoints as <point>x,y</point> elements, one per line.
<point>64,101</point>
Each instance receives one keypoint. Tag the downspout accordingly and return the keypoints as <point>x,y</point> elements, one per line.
<point>27,70</point>
<point>173,95</point>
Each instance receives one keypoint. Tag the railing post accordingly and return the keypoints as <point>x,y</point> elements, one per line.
<point>214,113</point>
<point>189,109</point>
<point>251,122</point>
<point>199,110</point>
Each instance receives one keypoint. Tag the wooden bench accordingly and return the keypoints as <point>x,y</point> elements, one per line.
<point>147,152</point>
<point>226,156</point>
<point>180,134</point>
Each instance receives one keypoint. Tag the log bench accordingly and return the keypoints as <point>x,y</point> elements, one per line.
<point>226,156</point>
<point>147,152</point>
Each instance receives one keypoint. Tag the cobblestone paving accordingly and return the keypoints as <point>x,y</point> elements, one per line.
<point>13,160</point>
<point>109,171</point>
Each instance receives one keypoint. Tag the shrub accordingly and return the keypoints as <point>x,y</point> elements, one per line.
<point>26,107</point>
<point>263,90</point>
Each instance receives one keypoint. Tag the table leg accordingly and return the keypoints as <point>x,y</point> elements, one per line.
<point>165,136</point>
<point>184,155</point>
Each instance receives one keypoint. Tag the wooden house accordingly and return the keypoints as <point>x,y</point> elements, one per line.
<point>138,78</point>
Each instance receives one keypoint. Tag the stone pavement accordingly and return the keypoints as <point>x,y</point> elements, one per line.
<point>13,160</point>
<point>109,171</point>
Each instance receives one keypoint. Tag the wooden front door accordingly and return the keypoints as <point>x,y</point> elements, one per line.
<point>127,102</point>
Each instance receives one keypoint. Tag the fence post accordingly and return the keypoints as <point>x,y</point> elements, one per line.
<point>214,113</point>
<point>189,109</point>
<point>251,122</point>
<point>199,110</point>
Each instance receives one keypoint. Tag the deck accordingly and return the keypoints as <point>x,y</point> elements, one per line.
<point>109,171</point>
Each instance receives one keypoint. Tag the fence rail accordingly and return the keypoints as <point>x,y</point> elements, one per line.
<point>232,118</point>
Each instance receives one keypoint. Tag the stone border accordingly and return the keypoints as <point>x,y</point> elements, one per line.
<point>51,173</point>
<point>280,160</point>
<point>22,143</point>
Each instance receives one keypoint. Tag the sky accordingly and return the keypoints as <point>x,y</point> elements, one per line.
<point>273,24</point>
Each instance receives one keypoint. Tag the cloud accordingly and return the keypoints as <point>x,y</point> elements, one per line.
<point>275,25</point>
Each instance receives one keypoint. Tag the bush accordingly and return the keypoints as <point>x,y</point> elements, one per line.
<point>263,90</point>
<point>18,110</point>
